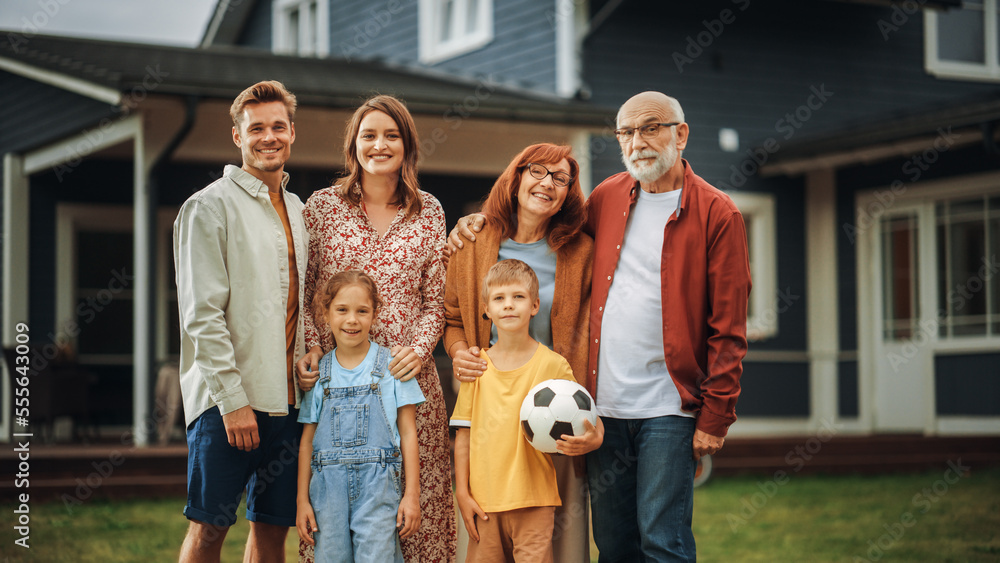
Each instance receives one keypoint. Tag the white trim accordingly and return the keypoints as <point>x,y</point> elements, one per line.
<point>767,302</point>
<point>987,71</point>
<point>822,304</point>
<point>59,80</point>
<point>320,27</point>
<point>580,141</point>
<point>433,50</point>
<point>70,150</point>
<point>16,208</point>
<point>569,20</point>
<point>212,30</point>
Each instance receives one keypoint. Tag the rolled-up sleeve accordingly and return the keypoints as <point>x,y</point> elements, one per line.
<point>203,296</point>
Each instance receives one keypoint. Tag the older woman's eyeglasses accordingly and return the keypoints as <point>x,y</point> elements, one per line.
<point>539,172</point>
<point>649,131</point>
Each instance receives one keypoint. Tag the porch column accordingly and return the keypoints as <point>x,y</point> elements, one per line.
<point>142,336</point>
<point>823,323</point>
<point>15,268</point>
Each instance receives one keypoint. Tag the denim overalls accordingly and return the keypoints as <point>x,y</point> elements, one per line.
<point>355,487</point>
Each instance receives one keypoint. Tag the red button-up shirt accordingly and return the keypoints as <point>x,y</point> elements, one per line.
<point>705,285</point>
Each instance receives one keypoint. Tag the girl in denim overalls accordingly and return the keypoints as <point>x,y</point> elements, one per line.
<point>350,498</point>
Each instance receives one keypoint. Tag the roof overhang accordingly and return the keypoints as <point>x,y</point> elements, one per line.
<point>960,124</point>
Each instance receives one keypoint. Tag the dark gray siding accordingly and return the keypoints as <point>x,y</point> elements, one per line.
<point>764,65</point>
<point>385,29</point>
<point>967,384</point>
<point>522,51</point>
<point>257,31</point>
<point>36,113</point>
<point>774,389</point>
<point>523,48</point>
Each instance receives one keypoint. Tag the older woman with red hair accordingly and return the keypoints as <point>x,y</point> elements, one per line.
<point>534,213</point>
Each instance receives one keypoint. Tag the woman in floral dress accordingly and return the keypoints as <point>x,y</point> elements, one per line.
<point>376,219</point>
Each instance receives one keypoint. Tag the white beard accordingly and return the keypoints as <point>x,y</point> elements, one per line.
<point>651,172</point>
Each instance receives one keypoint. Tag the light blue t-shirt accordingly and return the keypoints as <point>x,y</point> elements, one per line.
<point>543,261</point>
<point>395,393</point>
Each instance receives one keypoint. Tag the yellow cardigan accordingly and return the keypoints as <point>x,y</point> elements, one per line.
<point>463,306</point>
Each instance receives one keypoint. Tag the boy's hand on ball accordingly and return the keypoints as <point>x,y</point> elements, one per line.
<point>579,445</point>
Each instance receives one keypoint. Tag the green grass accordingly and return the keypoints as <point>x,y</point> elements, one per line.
<point>737,519</point>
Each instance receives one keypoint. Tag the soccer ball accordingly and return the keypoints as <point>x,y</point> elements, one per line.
<point>553,408</point>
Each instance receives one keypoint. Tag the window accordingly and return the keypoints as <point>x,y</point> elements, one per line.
<point>968,239</point>
<point>766,301</point>
<point>899,277</point>
<point>95,282</point>
<point>962,43</point>
<point>449,28</point>
<point>301,27</point>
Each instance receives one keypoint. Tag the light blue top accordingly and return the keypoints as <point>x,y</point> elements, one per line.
<point>542,260</point>
<point>394,393</point>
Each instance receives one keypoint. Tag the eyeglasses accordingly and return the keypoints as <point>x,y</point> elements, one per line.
<point>539,172</point>
<point>646,131</point>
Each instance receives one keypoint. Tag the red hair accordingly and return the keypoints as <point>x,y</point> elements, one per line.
<point>500,207</point>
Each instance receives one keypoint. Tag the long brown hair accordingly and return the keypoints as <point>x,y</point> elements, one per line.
<point>500,207</point>
<point>408,189</point>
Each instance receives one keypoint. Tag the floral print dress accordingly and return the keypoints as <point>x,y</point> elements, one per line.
<point>406,264</point>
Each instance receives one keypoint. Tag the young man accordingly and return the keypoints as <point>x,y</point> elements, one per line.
<point>240,251</point>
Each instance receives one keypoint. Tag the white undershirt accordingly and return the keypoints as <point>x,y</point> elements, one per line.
<point>632,377</point>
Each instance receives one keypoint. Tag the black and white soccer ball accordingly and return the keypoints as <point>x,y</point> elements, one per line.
<point>553,408</point>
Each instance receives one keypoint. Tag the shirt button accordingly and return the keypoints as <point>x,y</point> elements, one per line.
<point>600,308</point>
<point>595,341</point>
<point>609,278</point>
<point>619,247</point>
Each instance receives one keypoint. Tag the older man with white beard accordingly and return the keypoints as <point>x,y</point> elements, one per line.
<point>667,334</point>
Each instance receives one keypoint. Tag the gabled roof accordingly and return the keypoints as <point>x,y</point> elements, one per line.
<point>227,22</point>
<point>223,72</point>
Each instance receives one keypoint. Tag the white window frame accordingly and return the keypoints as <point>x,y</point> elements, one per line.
<point>286,43</point>
<point>432,50</point>
<point>988,71</point>
<point>72,218</point>
<point>766,303</point>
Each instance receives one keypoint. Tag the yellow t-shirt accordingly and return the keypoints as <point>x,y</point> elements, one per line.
<point>505,471</point>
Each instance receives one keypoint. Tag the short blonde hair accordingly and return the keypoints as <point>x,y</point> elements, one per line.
<point>262,93</point>
<point>507,272</point>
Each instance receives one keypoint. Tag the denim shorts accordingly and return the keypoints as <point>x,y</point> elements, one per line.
<point>219,473</point>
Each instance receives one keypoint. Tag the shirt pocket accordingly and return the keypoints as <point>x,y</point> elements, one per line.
<point>350,425</point>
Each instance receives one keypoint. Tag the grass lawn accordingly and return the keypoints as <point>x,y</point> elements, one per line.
<point>909,518</point>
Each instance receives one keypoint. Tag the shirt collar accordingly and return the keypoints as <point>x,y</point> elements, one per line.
<point>250,183</point>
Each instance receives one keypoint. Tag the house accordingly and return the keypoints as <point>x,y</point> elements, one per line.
<point>111,138</point>
<point>858,138</point>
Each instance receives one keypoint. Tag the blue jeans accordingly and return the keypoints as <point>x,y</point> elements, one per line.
<point>642,491</point>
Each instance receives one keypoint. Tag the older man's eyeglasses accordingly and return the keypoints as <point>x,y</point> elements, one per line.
<point>539,172</point>
<point>649,131</point>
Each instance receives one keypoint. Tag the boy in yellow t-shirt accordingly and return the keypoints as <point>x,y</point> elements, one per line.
<point>506,489</point>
